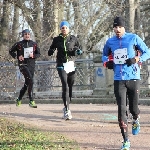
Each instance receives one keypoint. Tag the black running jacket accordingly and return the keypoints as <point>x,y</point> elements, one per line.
<point>18,50</point>
<point>66,48</point>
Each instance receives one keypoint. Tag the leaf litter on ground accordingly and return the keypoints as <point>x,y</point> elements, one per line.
<point>17,136</point>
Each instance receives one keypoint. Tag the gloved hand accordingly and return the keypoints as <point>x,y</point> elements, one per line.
<point>78,52</point>
<point>130,61</point>
<point>110,64</point>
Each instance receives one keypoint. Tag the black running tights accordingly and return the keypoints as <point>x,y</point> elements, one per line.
<point>67,80</point>
<point>28,74</point>
<point>122,89</point>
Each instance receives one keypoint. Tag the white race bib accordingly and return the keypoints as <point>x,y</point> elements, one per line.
<point>120,55</point>
<point>69,66</point>
<point>27,52</point>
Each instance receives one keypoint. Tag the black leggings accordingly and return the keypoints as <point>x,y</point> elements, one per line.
<point>28,75</point>
<point>67,81</point>
<point>122,89</point>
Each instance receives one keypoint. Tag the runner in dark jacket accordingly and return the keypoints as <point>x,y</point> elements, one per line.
<point>26,51</point>
<point>67,48</point>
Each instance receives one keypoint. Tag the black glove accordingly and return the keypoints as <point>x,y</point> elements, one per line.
<point>50,52</point>
<point>110,64</point>
<point>130,61</point>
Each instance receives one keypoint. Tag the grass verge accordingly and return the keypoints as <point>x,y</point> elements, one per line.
<point>16,136</point>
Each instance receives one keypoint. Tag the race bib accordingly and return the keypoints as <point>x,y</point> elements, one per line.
<point>27,52</point>
<point>69,66</point>
<point>120,55</point>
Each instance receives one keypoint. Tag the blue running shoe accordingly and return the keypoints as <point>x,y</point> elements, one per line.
<point>126,145</point>
<point>135,127</point>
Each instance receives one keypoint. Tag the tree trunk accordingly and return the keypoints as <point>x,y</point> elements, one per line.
<point>37,22</point>
<point>131,15</point>
<point>4,31</point>
<point>15,25</point>
<point>48,17</point>
<point>61,10</point>
<point>56,17</point>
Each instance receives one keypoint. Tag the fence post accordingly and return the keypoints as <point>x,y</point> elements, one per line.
<point>103,78</point>
<point>148,80</point>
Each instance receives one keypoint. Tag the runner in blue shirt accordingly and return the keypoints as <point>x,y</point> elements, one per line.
<point>126,69</point>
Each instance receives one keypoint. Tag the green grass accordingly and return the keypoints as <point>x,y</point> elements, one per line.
<point>16,136</point>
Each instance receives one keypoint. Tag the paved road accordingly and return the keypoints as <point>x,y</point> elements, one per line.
<point>93,126</point>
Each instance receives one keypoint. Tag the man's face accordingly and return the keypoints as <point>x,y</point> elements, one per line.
<point>64,30</point>
<point>119,31</point>
<point>26,36</point>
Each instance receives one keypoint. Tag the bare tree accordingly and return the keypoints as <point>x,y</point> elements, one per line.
<point>16,25</point>
<point>48,18</point>
<point>90,20</point>
<point>4,31</point>
<point>145,17</point>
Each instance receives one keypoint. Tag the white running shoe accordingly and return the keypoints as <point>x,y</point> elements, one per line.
<point>67,114</point>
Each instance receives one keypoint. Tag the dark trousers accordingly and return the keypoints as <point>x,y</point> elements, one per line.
<point>122,89</point>
<point>67,80</point>
<point>28,74</point>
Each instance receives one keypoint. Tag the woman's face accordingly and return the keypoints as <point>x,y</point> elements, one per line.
<point>64,30</point>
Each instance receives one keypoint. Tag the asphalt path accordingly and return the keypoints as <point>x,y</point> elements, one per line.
<point>93,126</point>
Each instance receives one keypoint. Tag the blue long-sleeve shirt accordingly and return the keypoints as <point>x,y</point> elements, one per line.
<point>126,44</point>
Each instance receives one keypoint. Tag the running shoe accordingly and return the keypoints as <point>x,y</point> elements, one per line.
<point>135,127</point>
<point>67,114</point>
<point>18,102</point>
<point>32,104</point>
<point>126,145</point>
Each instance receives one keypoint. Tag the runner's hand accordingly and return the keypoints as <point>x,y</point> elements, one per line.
<point>130,61</point>
<point>78,52</point>
<point>110,64</point>
<point>31,55</point>
<point>21,58</point>
<point>137,59</point>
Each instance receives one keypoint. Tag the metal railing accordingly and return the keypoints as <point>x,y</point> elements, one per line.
<point>46,77</point>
